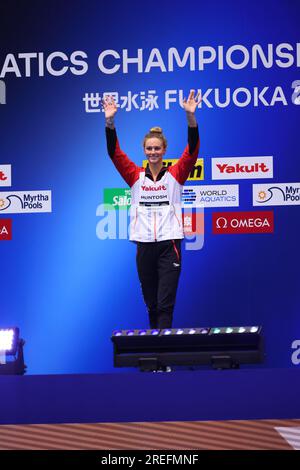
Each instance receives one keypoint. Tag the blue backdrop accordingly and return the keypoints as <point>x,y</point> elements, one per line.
<point>66,288</point>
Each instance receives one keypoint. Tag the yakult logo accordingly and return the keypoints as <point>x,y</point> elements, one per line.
<point>243,222</point>
<point>5,175</point>
<point>161,187</point>
<point>238,168</point>
<point>242,168</point>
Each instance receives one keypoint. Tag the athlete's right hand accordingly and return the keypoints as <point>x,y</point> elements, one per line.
<point>110,107</point>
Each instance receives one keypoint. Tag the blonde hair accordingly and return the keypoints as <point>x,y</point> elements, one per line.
<point>158,133</point>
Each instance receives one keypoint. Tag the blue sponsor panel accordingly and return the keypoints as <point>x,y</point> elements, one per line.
<point>68,274</point>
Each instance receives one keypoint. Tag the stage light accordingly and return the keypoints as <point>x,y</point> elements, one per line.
<point>221,347</point>
<point>117,333</point>
<point>11,352</point>
<point>216,331</point>
<point>9,340</point>
<point>184,331</point>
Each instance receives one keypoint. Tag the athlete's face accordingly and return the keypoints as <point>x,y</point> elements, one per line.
<point>154,150</point>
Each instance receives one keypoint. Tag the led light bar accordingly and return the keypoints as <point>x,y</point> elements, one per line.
<point>234,329</point>
<point>222,347</point>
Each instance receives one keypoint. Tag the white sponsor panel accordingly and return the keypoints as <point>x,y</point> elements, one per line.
<point>5,175</point>
<point>226,195</point>
<point>276,194</point>
<point>16,202</point>
<point>241,168</point>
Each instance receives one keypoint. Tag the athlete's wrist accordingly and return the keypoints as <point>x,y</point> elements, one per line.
<point>110,122</point>
<point>191,119</point>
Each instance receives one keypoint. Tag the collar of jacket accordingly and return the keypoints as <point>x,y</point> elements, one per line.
<point>159,176</point>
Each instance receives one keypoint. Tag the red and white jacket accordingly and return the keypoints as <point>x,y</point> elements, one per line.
<point>155,212</point>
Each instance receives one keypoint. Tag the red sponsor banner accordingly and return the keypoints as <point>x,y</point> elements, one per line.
<point>193,223</point>
<point>5,229</point>
<point>243,222</point>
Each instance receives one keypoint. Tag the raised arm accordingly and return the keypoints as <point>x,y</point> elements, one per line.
<point>184,166</point>
<point>127,169</point>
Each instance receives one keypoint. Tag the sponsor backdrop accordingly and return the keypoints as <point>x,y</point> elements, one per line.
<point>68,275</point>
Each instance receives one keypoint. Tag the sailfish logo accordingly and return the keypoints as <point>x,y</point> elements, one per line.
<point>5,203</point>
<point>264,197</point>
<point>2,92</point>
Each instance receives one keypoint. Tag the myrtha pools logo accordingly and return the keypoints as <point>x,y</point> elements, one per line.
<point>20,202</point>
<point>283,194</point>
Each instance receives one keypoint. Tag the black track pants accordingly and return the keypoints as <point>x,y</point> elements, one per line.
<point>159,266</point>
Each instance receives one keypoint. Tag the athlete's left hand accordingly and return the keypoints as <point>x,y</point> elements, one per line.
<point>192,102</point>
